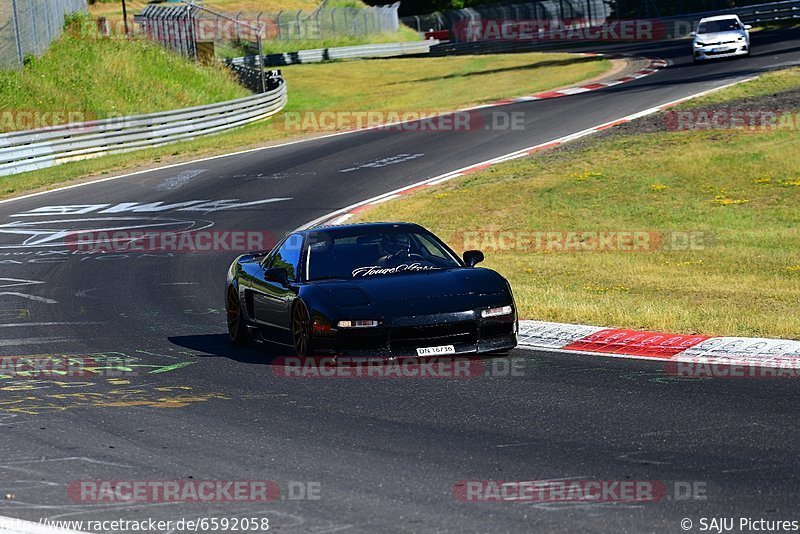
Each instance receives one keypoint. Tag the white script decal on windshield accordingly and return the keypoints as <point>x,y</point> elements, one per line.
<point>402,268</point>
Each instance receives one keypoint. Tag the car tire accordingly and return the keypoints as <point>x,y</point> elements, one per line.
<point>301,329</point>
<point>237,329</point>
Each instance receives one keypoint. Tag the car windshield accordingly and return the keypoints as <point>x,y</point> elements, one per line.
<point>372,252</point>
<point>716,26</point>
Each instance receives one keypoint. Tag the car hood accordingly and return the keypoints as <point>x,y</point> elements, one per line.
<point>719,36</point>
<point>445,290</point>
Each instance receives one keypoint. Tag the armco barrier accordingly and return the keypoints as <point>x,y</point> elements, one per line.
<point>669,27</point>
<point>319,55</point>
<point>754,14</point>
<point>29,150</point>
<point>787,11</point>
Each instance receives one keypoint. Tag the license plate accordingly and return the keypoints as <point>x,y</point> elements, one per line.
<point>436,351</point>
<point>719,50</point>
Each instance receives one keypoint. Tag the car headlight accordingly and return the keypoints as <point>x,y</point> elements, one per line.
<point>358,324</point>
<point>698,44</point>
<point>497,312</point>
<point>740,38</point>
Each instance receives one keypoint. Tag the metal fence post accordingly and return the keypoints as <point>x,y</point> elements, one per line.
<point>18,37</point>
<point>34,27</point>
<point>261,59</point>
<point>192,37</point>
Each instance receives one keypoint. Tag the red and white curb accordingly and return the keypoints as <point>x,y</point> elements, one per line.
<point>693,349</point>
<point>652,67</point>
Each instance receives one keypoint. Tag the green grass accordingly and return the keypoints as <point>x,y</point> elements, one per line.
<point>736,190</point>
<point>392,85</point>
<point>432,83</point>
<point>105,77</point>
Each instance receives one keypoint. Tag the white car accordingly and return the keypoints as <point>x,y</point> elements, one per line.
<point>720,36</point>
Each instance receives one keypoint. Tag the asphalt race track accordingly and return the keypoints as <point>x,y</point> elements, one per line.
<point>386,453</point>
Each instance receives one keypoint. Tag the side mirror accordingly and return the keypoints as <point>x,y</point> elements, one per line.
<point>473,257</point>
<point>748,27</point>
<point>277,274</point>
<point>693,34</point>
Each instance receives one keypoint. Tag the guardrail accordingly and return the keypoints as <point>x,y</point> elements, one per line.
<point>30,150</point>
<point>754,14</point>
<point>491,47</point>
<point>682,25</point>
<point>671,27</point>
<point>318,55</point>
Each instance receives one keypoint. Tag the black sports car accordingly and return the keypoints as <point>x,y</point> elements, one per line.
<point>373,290</point>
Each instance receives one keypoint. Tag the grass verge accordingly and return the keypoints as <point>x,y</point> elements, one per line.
<point>434,84</point>
<point>95,77</point>
<point>725,200</point>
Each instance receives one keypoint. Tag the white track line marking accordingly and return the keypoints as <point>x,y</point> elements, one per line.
<point>242,152</point>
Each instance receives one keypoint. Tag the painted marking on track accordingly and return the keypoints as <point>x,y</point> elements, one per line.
<point>51,233</point>
<point>51,323</point>
<point>17,282</point>
<point>384,162</point>
<point>112,380</point>
<point>27,296</point>
<point>179,180</point>
<point>32,341</point>
<point>206,206</point>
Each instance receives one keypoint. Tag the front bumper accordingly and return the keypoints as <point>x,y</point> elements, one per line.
<point>707,53</point>
<point>467,332</point>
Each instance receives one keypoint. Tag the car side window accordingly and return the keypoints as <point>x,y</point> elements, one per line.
<point>432,249</point>
<point>288,256</point>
